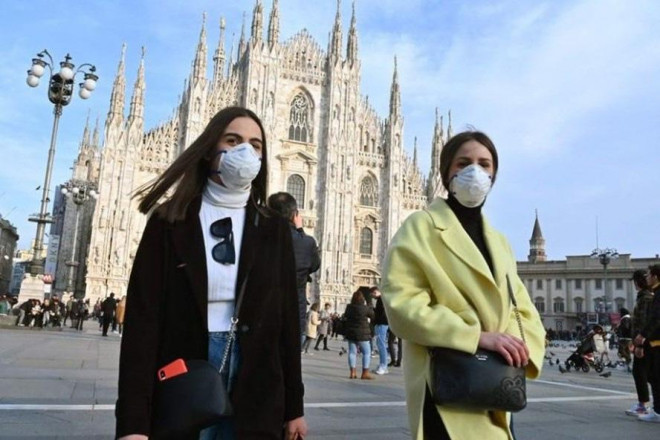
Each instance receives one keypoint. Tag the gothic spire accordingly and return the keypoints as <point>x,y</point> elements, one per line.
<point>395,94</point>
<point>450,132</point>
<point>137,100</point>
<point>335,43</point>
<point>95,136</point>
<point>438,143</point>
<point>230,64</point>
<point>219,57</point>
<point>199,65</point>
<point>85,141</point>
<point>118,95</point>
<point>241,41</point>
<point>257,21</point>
<point>415,155</point>
<point>536,233</point>
<point>352,45</point>
<point>274,25</point>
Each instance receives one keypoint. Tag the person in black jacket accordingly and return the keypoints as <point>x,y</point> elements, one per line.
<point>649,340</point>
<point>109,305</point>
<point>641,365</point>
<point>380,329</point>
<point>357,332</point>
<point>305,249</point>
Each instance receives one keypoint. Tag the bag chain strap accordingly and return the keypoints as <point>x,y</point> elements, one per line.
<point>515,308</point>
<point>234,324</point>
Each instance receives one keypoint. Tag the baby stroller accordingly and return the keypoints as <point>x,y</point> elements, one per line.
<point>583,357</point>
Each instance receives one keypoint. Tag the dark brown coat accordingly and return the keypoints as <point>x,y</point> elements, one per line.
<point>166,322</point>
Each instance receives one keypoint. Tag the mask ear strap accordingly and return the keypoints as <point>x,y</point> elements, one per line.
<point>212,172</point>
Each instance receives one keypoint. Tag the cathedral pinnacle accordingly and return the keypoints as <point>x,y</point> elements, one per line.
<point>395,94</point>
<point>137,100</point>
<point>415,154</point>
<point>95,136</point>
<point>352,45</point>
<point>241,41</point>
<point>450,132</point>
<point>118,95</point>
<point>257,21</point>
<point>199,65</point>
<point>85,141</point>
<point>336,42</point>
<point>274,25</point>
<point>219,57</point>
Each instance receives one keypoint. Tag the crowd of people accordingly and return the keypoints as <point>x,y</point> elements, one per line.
<point>51,312</point>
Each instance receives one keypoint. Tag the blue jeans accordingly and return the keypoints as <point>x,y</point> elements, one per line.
<point>224,430</point>
<point>365,348</point>
<point>381,341</point>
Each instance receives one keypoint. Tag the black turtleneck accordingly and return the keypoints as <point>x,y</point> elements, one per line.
<point>470,219</point>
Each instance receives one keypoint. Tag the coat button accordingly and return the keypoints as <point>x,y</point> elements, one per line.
<point>245,328</point>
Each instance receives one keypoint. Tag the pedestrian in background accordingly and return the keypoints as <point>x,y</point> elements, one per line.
<point>324,328</point>
<point>641,364</point>
<point>308,259</point>
<point>445,284</point>
<point>648,342</point>
<point>313,322</point>
<point>358,334</point>
<point>121,309</point>
<point>108,308</point>
<point>380,329</point>
<point>212,238</point>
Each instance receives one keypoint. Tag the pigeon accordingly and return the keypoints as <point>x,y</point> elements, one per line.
<point>552,354</point>
<point>38,188</point>
<point>608,374</point>
<point>562,370</point>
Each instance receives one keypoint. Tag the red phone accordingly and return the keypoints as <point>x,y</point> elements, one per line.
<point>172,369</point>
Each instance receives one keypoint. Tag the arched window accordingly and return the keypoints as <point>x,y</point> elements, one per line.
<point>300,119</point>
<point>558,305</point>
<point>368,192</point>
<point>366,241</point>
<point>295,185</point>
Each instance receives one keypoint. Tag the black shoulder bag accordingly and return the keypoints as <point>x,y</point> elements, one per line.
<point>190,395</point>
<point>480,381</point>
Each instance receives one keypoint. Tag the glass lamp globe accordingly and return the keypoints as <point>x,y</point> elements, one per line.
<point>66,73</point>
<point>89,84</point>
<point>64,191</point>
<point>75,190</point>
<point>84,93</point>
<point>32,81</point>
<point>37,70</point>
<point>93,194</point>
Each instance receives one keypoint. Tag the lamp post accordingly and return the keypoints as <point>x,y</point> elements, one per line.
<point>79,193</point>
<point>605,257</point>
<point>60,92</point>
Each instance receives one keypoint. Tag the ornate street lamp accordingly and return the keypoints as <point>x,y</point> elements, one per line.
<point>79,193</point>
<point>605,257</point>
<point>60,92</point>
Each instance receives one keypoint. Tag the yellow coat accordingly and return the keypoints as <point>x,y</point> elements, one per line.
<point>438,291</point>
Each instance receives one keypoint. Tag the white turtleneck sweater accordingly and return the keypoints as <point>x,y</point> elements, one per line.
<point>219,202</point>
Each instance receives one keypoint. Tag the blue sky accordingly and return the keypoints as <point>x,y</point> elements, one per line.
<point>568,90</point>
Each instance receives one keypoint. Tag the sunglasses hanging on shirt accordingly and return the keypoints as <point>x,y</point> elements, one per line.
<point>224,251</point>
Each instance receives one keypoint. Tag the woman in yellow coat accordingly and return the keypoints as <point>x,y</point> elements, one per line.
<point>445,285</point>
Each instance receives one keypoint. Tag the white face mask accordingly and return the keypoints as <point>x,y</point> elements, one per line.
<point>239,166</point>
<point>471,185</point>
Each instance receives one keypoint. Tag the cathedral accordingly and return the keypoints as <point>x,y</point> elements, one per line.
<point>345,165</point>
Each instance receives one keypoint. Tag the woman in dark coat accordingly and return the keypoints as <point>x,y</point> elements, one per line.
<point>212,236</point>
<point>358,333</point>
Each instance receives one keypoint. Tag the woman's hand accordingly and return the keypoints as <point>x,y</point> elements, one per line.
<point>295,429</point>
<point>134,437</point>
<point>511,348</point>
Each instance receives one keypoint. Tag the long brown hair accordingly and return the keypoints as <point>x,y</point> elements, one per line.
<point>190,171</point>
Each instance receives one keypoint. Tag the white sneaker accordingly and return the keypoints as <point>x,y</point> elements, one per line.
<point>652,417</point>
<point>637,409</point>
<point>381,371</point>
